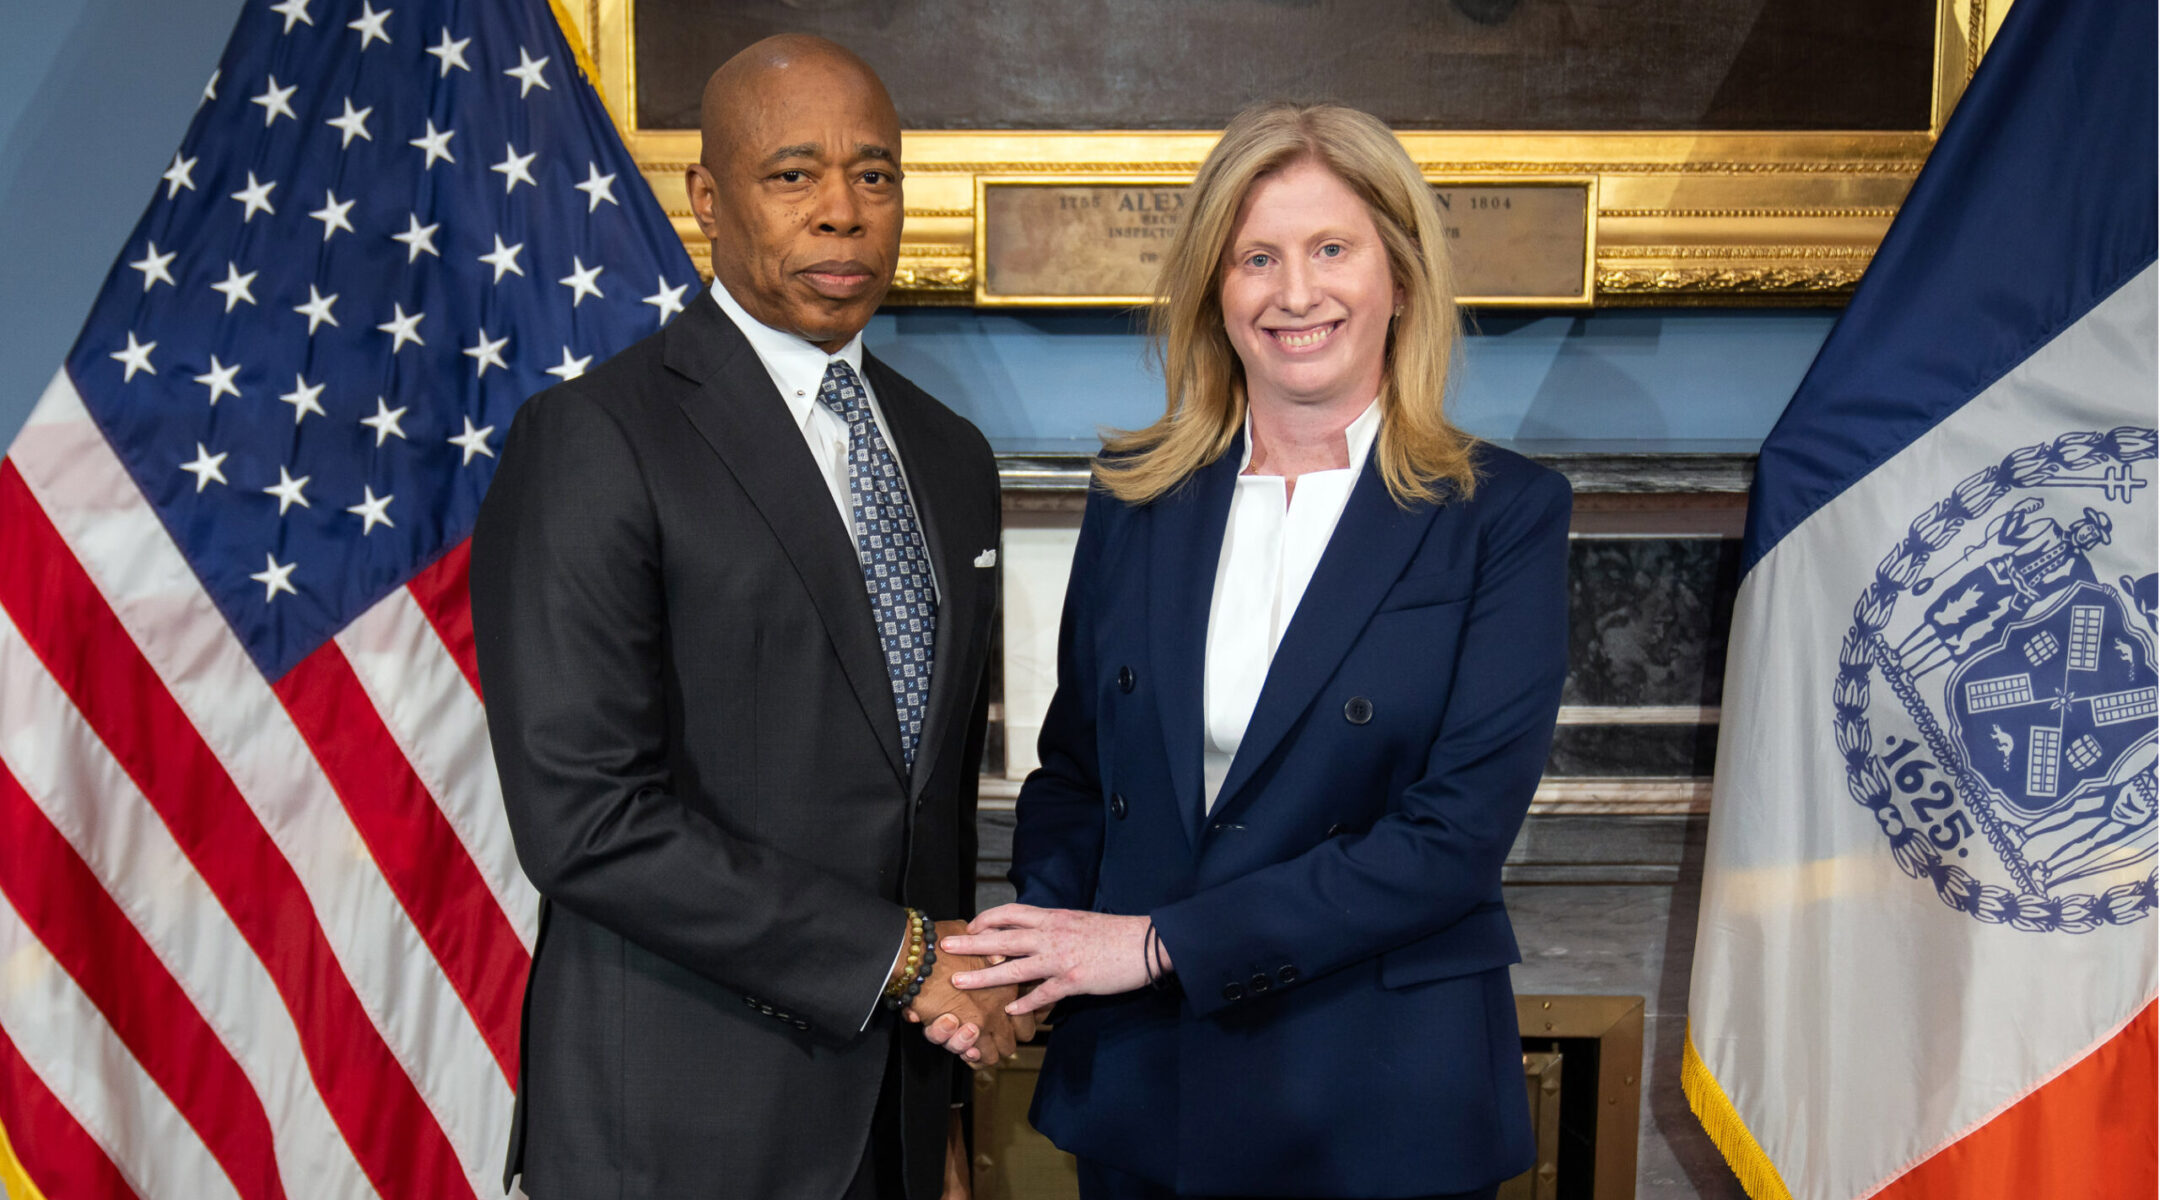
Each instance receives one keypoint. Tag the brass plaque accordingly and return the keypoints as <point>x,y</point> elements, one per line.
<point>1073,243</point>
<point>1520,243</point>
<point>1060,242</point>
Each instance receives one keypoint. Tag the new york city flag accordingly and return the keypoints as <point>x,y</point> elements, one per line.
<point>1926,959</point>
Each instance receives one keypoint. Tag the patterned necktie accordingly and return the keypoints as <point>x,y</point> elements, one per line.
<point>895,560</point>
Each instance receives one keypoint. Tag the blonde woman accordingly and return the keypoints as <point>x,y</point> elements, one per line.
<point>1312,653</point>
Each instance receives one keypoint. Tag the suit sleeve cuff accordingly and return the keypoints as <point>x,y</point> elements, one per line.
<point>880,997</point>
<point>1215,976</point>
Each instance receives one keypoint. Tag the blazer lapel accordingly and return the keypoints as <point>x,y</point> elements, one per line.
<point>1373,542</point>
<point>1185,545</point>
<point>748,426</point>
<point>932,490</point>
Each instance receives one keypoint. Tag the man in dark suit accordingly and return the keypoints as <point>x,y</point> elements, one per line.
<point>732,594</point>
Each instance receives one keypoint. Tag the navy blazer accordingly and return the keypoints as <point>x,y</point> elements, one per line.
<point>1343,1024</point>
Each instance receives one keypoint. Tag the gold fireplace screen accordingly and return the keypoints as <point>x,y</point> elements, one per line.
<point>1582,1064</point>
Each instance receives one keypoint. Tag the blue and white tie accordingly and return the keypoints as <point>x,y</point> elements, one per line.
<point>895,559</point>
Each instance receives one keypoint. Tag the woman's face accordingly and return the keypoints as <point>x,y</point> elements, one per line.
<point>1306,292</point>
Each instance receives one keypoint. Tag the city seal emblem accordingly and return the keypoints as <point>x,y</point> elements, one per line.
<point>1996,699</point>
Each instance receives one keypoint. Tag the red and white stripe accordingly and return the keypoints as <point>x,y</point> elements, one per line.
<point>256,939</point>
<point>156,1145</point>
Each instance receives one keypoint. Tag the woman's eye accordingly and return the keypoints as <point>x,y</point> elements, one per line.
<point>1256,260</point>
<point>1331,250</point>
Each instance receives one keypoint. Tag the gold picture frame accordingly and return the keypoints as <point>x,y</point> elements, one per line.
<point>1680,218</point>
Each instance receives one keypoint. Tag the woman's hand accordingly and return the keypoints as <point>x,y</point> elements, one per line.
<point>1060,951</point>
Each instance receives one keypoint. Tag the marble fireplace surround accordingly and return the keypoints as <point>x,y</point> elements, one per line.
<point>1604,880</point>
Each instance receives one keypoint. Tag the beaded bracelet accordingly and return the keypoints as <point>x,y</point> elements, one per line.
<point>912,955</point>
<point>921,956</point>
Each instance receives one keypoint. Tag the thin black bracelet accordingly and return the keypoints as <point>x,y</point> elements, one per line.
<point>1158,974</point>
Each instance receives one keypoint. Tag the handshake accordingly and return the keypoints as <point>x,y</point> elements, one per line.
<point>995,978</point>
<point>973,1024</point>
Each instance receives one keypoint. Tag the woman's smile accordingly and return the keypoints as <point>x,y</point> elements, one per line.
<point>1298,341</point>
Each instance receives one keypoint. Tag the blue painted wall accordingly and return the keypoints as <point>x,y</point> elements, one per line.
<point>1711,379</point>
<point>94,97</point>
<point>95,94</point>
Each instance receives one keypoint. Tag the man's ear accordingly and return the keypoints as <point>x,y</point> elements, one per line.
<point>704,193</point>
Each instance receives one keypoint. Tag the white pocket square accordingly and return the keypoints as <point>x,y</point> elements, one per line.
<point>987,558</point>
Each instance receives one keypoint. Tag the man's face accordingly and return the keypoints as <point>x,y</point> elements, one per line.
<point>800,194</point>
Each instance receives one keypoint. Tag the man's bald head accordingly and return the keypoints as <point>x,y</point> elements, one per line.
<point>798,185</point>
<point>742,82</point>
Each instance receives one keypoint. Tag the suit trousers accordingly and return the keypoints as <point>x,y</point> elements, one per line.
<point>880,1175</point>
<point>1099,1182</point>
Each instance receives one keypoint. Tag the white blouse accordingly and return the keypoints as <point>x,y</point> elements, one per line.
<point>1273,541</point>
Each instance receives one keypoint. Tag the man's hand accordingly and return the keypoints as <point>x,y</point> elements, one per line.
<point>981,1009</point>
<point>1059,951</point>
<point>947,1031</point>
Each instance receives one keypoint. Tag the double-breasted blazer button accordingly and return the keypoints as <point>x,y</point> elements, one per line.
<point>1117,805</point>
<point>1259,982</point>
<point>1125,679</point>
<point>1232,992</point>
<point>1358,711</point>
<point>1287,976</point>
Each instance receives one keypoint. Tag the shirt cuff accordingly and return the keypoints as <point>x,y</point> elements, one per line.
<point>880,997</point>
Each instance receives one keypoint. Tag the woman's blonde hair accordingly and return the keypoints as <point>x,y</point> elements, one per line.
<point>1418,450</point>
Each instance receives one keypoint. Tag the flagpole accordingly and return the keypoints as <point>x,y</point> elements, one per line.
<point>14,1181</point>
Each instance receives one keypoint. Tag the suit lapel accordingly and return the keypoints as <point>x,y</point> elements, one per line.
<point>933,489</point>
<point>1373,541</point>
<point>743,418</point>
<point>1185,545</point>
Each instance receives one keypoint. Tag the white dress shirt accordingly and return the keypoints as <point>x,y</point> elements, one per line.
<point>1271,544</point>
<point>798,369</point>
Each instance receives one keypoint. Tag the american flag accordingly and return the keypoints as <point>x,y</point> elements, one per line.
<point>262,931</point>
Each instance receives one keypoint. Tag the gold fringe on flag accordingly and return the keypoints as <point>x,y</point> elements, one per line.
<point>577,48</point>
<point>1727,1131</point>
<point>15,1182</point>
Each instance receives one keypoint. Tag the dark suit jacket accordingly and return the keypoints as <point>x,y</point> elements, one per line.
<point>1345,1026</point>
<point>701,762</point>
